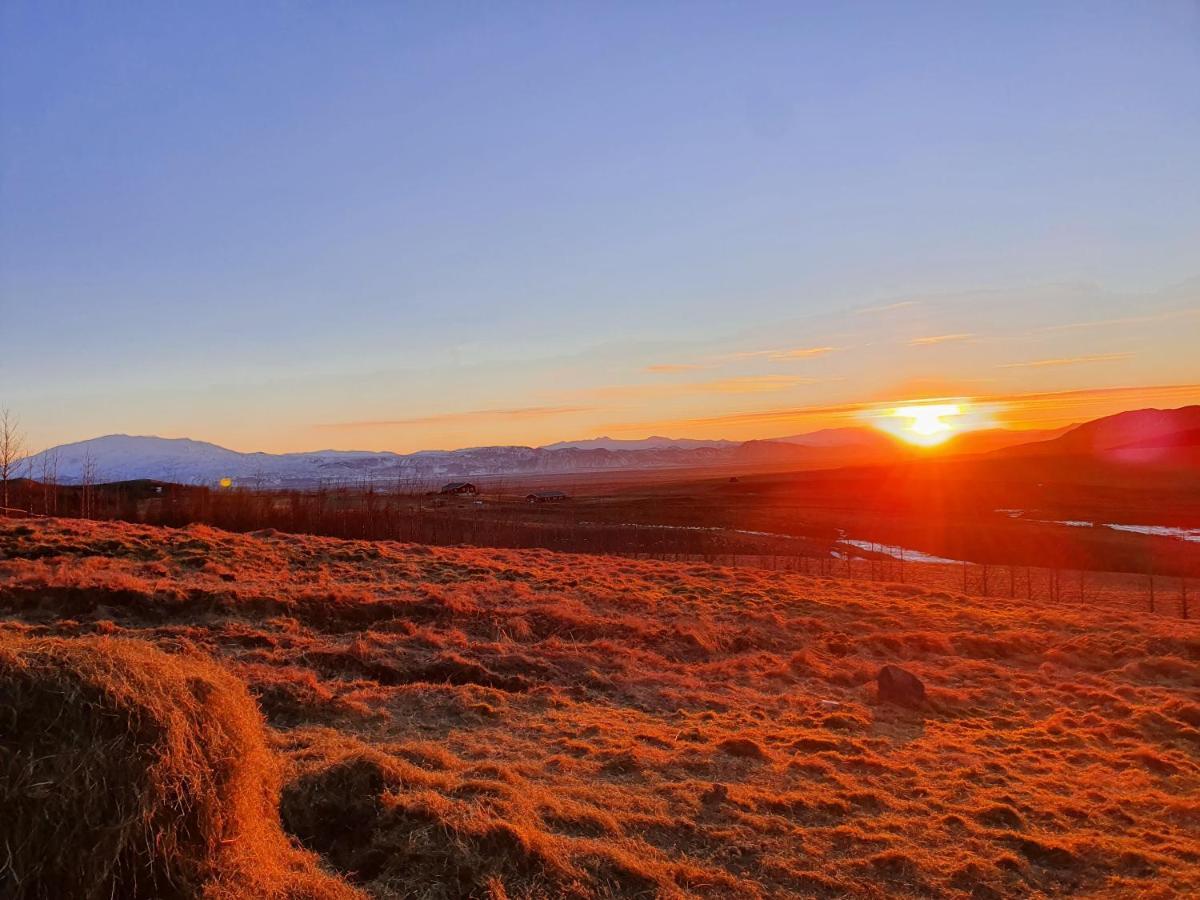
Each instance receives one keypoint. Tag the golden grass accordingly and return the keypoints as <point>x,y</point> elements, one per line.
<point>126,772</point>
<point>530,724</point>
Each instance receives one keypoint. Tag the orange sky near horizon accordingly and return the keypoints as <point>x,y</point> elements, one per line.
<point>1028,411</point>
<point>1025,356</point>
<point>1032,411</point>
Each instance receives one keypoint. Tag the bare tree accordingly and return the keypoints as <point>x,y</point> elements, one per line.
<point>88,479</point>
<point>12,445</point>
<point>49,480</point>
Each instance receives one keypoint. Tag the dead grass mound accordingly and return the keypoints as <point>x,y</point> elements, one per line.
<point>126,772</point>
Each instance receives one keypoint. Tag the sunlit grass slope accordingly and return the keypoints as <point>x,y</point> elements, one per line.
<point>528,724</point>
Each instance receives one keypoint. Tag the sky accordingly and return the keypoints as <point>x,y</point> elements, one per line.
<point>291,225</point>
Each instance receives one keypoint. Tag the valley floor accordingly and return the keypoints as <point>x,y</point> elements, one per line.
<point>462,722</point>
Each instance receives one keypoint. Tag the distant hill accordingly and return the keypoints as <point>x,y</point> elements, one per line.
<point>1140,435</point>
<point>1174,440</point>
<point>850,436</point>
<point>119,457</point>
<point>654,442</point>
<point>991,439</point>
<point>871,439</point>
<point>122,457</point>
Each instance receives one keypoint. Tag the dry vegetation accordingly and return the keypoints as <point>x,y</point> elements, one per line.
<point>456,722</point>
<point>128,772</point>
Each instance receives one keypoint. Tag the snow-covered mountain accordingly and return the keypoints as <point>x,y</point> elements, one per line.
<point>120,457</point>
<point>655,442</point>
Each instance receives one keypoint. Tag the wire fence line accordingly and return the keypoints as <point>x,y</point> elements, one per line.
<point>1161,595</point>
<point>371,517</point>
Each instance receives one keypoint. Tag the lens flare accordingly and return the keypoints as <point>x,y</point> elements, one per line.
<point>934,422</point>
<point>926,423</point>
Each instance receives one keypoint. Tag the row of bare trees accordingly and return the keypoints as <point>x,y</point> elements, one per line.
<point>12,452</point>
<point>40,494</point>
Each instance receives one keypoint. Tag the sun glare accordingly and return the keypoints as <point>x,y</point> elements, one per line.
<point>926,424</point>
<point>930,424</point>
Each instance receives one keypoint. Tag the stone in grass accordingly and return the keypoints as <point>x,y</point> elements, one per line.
<point>743,747</point>
<point>900,686</point>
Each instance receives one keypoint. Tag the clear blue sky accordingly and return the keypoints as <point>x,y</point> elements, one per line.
<point>292,225</point>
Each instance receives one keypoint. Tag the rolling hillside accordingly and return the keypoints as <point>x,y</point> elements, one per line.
<point>463,722</point>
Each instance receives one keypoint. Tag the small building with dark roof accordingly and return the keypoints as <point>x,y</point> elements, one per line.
<point>546,497</point>
<point>459,487</point>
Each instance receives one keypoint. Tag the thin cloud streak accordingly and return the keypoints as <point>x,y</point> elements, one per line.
<point>670,368</point>
<point>940,339</point>
<point>1049,404</point>
<point>524,412</point>
<point>777,355</point>
<point>887,307</point>
<point>1126,320</point>
<point>743,384</point>
<point>1067,361</point>
<point>753,384</point>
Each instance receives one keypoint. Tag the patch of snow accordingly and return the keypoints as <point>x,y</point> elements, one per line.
<point>1184,534</point>
<point>894,551</point>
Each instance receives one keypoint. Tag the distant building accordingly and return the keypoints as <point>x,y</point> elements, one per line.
<point>459,487</point>
<point>546,497</point>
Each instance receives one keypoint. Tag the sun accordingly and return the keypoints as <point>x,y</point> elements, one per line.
<point>927,424</point>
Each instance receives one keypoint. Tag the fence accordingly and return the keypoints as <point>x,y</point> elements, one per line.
<point>368,515</point>
<point>1161,595</point>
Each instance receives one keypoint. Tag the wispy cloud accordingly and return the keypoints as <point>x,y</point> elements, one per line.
<point>786,353</point>
<point>671,368</point>
<point>452,418</point>
<point>1044,408</point>
<point>801,353</point>
<point>940,339</point>
<point>888,307</point>
<point>1125,320</point>
<point>753,384</point>
<point>744,384</point>
<point>1067,361</point>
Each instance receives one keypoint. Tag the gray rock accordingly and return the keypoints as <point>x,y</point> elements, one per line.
<point>900,686</point>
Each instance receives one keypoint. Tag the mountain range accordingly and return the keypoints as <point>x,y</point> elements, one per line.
<point>1152,435</point>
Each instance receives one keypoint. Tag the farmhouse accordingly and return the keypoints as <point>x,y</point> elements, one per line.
<point>546,497</point>
<point>459,487</point>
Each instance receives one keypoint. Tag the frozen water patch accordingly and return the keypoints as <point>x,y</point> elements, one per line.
<point>1184,534</point>
<point>907,554</point>
<point>896,552</point>
<point>710,528</point>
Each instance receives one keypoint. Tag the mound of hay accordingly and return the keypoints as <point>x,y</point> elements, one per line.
<point>126,772</point>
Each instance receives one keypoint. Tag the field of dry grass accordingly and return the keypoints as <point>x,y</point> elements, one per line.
<point>467,722</point>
